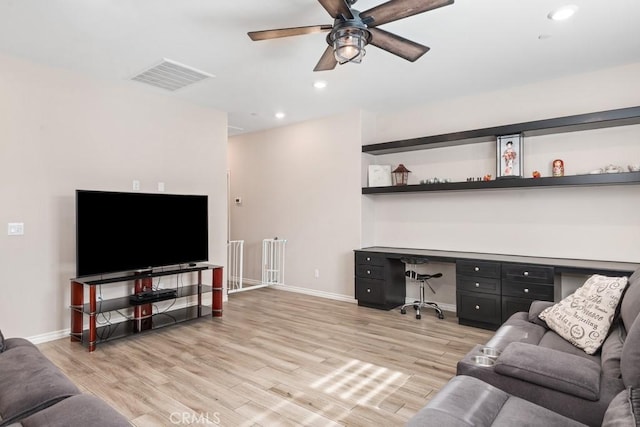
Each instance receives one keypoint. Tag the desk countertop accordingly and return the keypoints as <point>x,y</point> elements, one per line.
<point>562,265</point>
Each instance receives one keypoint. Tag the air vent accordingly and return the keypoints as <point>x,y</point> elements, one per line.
<point>171,75</point>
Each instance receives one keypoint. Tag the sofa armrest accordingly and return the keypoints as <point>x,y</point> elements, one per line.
<point>551,368</point>
<point>536,308</point>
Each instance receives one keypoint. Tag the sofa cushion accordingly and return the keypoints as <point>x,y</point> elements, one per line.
<point>29,383</point>
<point>612,351</point>
<point>630,360</point>
<point>10,343</point>
<point>469,402</point>
<point>624,410</point>
<point>77,411</point>
<point>552,369</point>
<point>555,342</point>
<point>584,317</point>
<point>517,329</point>
<point>630,305</point>
<point>535,309</point>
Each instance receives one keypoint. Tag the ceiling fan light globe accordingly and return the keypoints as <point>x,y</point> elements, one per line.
<point>349,45</point>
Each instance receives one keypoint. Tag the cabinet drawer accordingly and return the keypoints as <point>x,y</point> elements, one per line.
<point>370,291</point>
<point>478,284</point>
<point>528,273</point>
<point>369,259</point>
<point>527,290</point>
<point>479,307</point>
<point>370,271</point>
<point>478,268</point>
<point>511,305</point>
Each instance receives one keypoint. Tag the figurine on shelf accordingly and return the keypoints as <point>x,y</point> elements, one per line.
<point>509,157</point>
<point>558,167</point>
<point>536,174</point>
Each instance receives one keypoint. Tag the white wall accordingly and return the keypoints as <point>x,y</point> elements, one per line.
<point>300,183</point>
<point>60,132</point>
<point>587,222</point>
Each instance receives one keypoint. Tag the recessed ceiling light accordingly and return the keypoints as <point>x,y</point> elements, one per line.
<point>562,13</point>
<point>280,115</point>
<point>320,84</point>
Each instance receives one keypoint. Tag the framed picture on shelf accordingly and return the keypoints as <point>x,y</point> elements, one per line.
<point>509,155</point>
<point>379,175</point>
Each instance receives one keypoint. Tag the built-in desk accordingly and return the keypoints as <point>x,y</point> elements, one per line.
<point>489,287</point>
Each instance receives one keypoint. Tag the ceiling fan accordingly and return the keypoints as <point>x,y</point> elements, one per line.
<point>352,30</point>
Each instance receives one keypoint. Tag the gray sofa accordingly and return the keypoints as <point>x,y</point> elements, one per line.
<point>34,392</point>
<point>469,402</point>
<point>539,370</point>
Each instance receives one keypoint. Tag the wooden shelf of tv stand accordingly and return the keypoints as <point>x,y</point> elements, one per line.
<point>622,178</point>
<point>140,321</point>
<point>127,328</point>
<point>122,303</point>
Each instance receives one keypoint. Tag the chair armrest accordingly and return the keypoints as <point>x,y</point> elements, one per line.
<point>536,308</point>
<point>551,368</point>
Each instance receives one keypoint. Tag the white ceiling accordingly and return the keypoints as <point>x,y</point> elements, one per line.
<point>476,46</point>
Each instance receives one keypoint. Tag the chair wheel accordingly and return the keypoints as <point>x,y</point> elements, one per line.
<point>415,307</point>
<point>418,316</point>
<point>440,316</point>
<point>403,311</point>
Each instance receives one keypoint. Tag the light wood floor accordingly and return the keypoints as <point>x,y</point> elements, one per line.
<point>275,358</point>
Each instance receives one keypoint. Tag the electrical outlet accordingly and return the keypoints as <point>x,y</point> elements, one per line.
<point>136,185</point>
<point>316,273</point>
<point>161,186</point>
<point>15,229</point>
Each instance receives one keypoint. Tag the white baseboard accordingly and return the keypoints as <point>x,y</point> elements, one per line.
<point>329,295</point>
<point>49,336</point>
<point>306,291</point>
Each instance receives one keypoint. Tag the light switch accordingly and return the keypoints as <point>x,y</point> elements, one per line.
<point>15,229</point>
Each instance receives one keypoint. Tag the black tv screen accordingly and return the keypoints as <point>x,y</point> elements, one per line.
<point>117,231</point>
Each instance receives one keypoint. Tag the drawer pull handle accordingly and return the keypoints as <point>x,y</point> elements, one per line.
<point>368,271</point>
<point>477,307</point>
<point>476,269</point>
<point>368,290</point>
<point>368,259</point>
<point>526,291</point>
<point>477,285</point>
<point>526,273</point>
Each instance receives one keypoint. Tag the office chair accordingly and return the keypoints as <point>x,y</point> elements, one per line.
<point>412,274</point>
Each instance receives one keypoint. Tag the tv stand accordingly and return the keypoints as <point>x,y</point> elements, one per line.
<point>142,317</point>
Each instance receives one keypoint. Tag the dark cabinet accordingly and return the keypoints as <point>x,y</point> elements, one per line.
<point>478,289</point>
<point>481,309</point>
<point>488,293</point>
<point>380,281</point>
<point>522,284</point>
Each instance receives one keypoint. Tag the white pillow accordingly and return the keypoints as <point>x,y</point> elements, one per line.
<point>584,317</point>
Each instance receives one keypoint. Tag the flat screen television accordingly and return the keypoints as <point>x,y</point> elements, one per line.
<point>117,231</point>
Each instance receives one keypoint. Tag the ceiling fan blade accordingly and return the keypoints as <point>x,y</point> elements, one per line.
<point>288,32</point>
<point>337,8</point>
<point>397,45</point>
<point>327,60</point>
<point>398,9</point>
